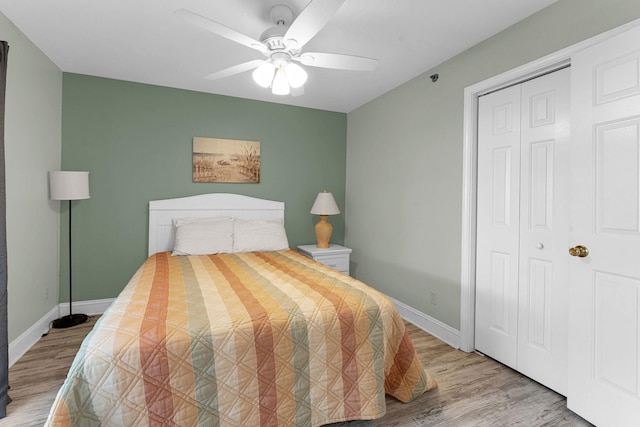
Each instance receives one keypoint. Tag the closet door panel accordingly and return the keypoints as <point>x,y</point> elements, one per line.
<point>540,179</point>
<point>538,310</point>
<point>498,225</point>
<point>544,230</point>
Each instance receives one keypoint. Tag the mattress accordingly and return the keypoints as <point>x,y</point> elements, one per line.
<point>248,339</point>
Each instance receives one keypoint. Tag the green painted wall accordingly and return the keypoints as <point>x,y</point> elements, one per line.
<point>406,148</point>
<point>136,142</point>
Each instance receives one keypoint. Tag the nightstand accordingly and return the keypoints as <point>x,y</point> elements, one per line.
<point>335,256</point>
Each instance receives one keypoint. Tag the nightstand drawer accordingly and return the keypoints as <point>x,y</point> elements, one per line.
<point>340,263</point>
<point>335,256</point>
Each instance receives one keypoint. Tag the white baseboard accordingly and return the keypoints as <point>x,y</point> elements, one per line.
<point>428,324</point>
<point>19,346</point>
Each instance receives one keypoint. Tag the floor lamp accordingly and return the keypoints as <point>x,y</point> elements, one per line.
<point>65,185</point>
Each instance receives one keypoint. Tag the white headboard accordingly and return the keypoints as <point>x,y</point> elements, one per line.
<point>161,212</point>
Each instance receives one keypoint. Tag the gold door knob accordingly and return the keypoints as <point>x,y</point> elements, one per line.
<point>579,251</point>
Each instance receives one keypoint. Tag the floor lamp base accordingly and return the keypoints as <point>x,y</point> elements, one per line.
<point>69,321</point>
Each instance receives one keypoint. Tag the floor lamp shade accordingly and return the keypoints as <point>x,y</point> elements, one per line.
<point>69,185</point>
<point>324,206</point>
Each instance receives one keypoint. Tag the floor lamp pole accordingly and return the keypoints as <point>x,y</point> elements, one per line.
<point>71,319</point>
<point>70,269</point>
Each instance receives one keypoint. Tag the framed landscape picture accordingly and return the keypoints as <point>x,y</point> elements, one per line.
<point>226,160</point>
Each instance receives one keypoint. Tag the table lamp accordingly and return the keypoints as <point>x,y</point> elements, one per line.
<point>324,206</point>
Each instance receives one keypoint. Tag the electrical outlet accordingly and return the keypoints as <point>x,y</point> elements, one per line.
<point>433,298</point>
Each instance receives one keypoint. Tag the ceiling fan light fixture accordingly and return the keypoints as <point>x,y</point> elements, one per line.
<point>282,44</point>
<point>296,75</point>
<point>263,75</point>
<point>280,85</point>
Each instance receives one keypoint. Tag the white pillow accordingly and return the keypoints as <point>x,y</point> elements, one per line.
<point>259,235</point>
<point>203,236</point>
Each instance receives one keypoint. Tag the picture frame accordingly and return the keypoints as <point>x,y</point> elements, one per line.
<point>225,160</point>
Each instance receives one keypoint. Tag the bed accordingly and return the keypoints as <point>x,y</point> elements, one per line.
<point>242,337</point>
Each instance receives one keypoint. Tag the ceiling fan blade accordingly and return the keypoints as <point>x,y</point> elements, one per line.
<point>335,60</point>
<point>219,29</point>
<point>236,69</point>
<point>310,21</point>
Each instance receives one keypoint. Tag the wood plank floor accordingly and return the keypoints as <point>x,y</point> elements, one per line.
<point>473,390</point>
<point>36,377</point>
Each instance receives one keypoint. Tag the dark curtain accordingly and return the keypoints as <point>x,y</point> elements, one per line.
<point>4,339</point>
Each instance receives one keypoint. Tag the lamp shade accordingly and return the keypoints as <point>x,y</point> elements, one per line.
<point>296,74</point>
<point>263,75</point>
<point>69,185</point>
<point>325,204</point>
<point>280,85</point>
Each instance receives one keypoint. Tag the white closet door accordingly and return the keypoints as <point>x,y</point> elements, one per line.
<point>498,225</point>
<point>544,230</point>
<point>604,326</point>
<point>522,228</point>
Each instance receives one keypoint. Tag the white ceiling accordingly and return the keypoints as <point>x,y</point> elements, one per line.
<point>142,41</point>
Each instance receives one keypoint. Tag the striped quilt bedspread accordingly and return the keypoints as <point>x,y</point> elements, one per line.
<point>251,339</point>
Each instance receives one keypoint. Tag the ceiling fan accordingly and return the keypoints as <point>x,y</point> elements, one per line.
<point>282,46</point>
